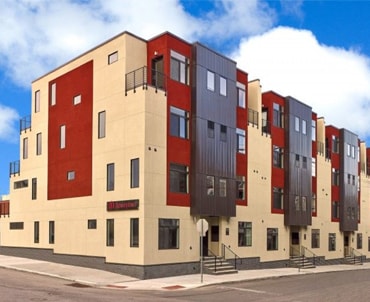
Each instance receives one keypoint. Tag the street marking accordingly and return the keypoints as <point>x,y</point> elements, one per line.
<point>245,290</point>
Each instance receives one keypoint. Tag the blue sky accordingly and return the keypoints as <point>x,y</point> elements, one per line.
<point>315,51</point>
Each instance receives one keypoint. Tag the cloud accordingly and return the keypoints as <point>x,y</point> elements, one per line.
<point>38,35</point>
<point>9,119</point>
<point>335,82</point>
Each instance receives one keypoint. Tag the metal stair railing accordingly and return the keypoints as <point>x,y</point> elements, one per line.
<point>355,254</point>
<point>226,250</point>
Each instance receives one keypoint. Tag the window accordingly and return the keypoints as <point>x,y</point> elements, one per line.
<point>51,232</point>
<point>101,124</point>
<point>223,133</point>
<point>359,241</point>
<point>296,123</point>
<point>16,225</point>
<point>110,177</point>
<point>352,151</point>
<point>134,232</point>
<point>278,157</point>
<point>91,224</point>
<point>34,189</point>
<point>335,177</point>
<point>179,68</point>
<point>335,210</point>
<point>335,144</point>
<point>77,99</point>
<point>304,127</point>
<point>297,203</point>
<point>179,122</point>
<point>178,178</point>
<point>71,175</point>
<point>210,183</point>
<point>272,239</point>
<point>37,101</point>
<point>168,233</point>
<point>313,167</point>
<point>211,129</point>
<point>25,148</point>
<point>53,97</point>
<point>278,118</point>
<point>278,198</point>
<point>62,141</point>
<point>223,185</point>
<point>113,57</point>
<point>36,232</point>
<point>332,242</point>
<point>240,187</point>
<point>313,131</point>
<point>244,233</point>
<point>304,162</point>
<point>223,86</point>
<point>240,141</point>
<point>210,80</point>
<point>315,238</point>
<point>110,232</point>
<point>348,150</point>
<point>38,144</point>
<point>313,203</point>
<point>304,203</point>
<point>297,161</point>
<point>134,179</point>
<point>21,184</point>
<point>241,94</point>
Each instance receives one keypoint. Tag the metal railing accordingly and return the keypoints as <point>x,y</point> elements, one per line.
<point>227,253</point>
<point>356,256</point>
<point>25,123</point>
<point>304,253</point>
<point>266,127</point>
<point>14,168</point>
<point>140,78</point>
<point>252,117</point>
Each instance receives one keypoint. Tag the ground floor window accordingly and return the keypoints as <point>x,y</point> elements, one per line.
<point>359,241</point>
<point>178,178</point>
<point>272,239</point>
<point>134,232</point>
<point>315,239</point>
<point>51,232</point>
<point>110,232</point>
<point>332,242</point>
<point>36,232</point>
<point>278,198</point>
<point>168,233</point>
<point>244,233</point>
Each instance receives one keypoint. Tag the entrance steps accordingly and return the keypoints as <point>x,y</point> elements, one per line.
<point>215,265</point>
<point>301,262</point>
<point>353,260</point>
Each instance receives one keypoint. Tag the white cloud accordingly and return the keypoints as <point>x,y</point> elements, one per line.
<point>9,119</point>
<point>335,82</point>
<point>38,35</point>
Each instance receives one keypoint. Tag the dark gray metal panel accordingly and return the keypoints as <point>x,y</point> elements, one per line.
<point>298,176</point>
<point>348,204</point>
<point>212,156</point>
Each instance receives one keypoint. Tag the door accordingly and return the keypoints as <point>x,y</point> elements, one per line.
<point>346,245</point>
<point>205,244</point>
<point>158,72</point>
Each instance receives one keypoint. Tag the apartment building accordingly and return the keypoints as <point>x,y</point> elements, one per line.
<point>131,143</point>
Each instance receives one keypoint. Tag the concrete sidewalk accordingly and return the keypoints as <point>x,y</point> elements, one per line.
<point>100,278</point>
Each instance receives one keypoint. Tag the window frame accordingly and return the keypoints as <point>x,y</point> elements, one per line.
<point>134,232</point>
<point>240,141</point>
<point>110,177</point>
<point>168,228</point>
<point>135,173</point>
<point>37,101</point>
<point>272,239</point>
<point>109,232</point>
<point>113,57</point>
<point>181,180</point>
<point>101,124</point>
<point>315,238</point>
<point>211,79</point>
<point>179,122</point>
<point>38,143</point>
<point>245,233</point>
<point>51,232</point>
<point>62,138</point>
<point>223,86</point>
<point>36,232</point>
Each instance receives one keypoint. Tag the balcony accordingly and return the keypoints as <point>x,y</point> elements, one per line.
<point>252,117</point>
<point>266,127</point>
<point>25,124</point>
<point>14,168</point>
<point>140,78</point>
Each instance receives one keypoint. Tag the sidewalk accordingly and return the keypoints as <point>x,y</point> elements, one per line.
<point>99,278</point>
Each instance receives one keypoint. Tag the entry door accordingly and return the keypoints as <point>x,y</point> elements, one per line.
<point>158,72</point>
<point>346,245</point>
<point>205,244</point>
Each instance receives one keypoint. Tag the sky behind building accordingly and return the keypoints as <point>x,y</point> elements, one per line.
<point>316,51</point>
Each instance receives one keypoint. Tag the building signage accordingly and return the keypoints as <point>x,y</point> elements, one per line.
<point>123,205</point>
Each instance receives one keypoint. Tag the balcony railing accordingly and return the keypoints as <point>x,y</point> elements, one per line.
<point>253,117</point>
<point>266,127</point>
<point>25,123</point>
<point>14,168</point>
<point>140,78</point>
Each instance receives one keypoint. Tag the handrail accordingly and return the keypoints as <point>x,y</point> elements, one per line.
<point>225,248</point>
<point>215,257</point>
<point>306,253</point>
<point>140,78</point>
<point>25,123</point>
<point>355,254</point>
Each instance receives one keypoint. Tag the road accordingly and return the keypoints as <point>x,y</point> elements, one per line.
<point>339,287</point>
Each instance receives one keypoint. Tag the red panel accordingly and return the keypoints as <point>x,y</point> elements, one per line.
<point>178,95</point>
<point>77,155</point>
